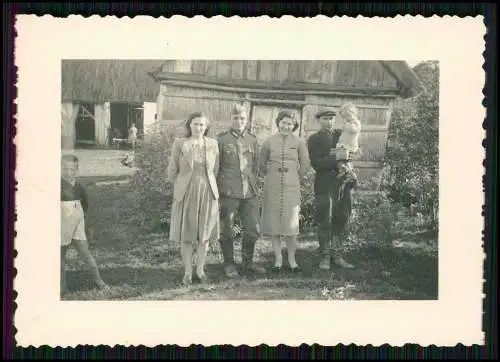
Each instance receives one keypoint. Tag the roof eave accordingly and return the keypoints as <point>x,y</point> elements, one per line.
<point>411,85</point>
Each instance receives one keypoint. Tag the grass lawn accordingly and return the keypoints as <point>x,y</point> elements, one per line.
<point>142,264</point>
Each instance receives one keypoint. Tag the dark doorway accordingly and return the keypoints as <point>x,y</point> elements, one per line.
<point>119,120</point>
<point>122,117</point>
<point>136,116</point>
<point>85,125</point>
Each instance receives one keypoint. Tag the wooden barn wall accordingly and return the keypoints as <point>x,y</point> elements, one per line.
<point>176,104</point>
<point>347,73</point>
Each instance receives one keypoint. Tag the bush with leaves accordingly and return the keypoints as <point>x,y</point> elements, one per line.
<point>413,150</point>
<point>150,189</point>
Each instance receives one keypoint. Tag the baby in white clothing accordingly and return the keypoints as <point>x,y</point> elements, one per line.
<point>348,142</point>
<point>351,127</point>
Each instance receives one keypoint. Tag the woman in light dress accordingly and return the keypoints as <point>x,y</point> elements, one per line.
<point>284,160</point>
<point>193,168</point>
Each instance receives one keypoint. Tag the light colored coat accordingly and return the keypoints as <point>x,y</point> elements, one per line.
<point>283,161</point>
<point>180,167</point>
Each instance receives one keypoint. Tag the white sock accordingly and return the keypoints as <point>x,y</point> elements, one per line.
<point>187,257</point>
<point>291,246</point>
<point>202,256</point>
<point>277,252</point>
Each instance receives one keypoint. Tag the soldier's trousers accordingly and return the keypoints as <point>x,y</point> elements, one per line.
<point>332,218</point>
<point>248,211</point>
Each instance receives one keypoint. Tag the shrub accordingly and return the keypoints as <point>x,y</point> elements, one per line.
<point>412,150</point>
<point>150,189</point>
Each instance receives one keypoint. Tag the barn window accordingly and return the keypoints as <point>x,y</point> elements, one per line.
<point>85,124</point>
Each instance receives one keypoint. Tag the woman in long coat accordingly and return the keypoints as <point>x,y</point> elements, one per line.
<point>193,168</point>
<point>284,160</point>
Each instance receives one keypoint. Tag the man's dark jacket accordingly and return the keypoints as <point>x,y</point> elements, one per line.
<point>319,146</point>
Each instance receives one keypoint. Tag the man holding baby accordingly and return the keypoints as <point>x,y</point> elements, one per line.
<point>334,180</point>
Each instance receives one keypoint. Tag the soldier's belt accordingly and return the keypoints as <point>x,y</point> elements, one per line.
<point>283,169</point>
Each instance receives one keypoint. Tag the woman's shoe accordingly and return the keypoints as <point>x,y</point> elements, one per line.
<point>187,280</point>
<point>295,269</point>
<point>203,279</point>
<point>102,285</point>
<point>276,269</point>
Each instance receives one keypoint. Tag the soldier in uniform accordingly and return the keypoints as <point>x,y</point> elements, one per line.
<point>333,202</point>
<point>237,183</point>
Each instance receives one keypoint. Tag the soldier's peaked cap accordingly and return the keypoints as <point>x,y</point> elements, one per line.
<point>325,112</point>
<point>238,109</point>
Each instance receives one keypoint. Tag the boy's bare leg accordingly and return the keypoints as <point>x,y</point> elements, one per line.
<point>82,247</point>
<point>64,287</point>
<point>187,259</point>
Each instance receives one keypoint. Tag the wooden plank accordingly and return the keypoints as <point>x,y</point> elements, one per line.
<point>363,73</point>
<point>372,146</point>
<point>389,80</point>
<point>183,66</point>
<point>345,74</point>
<point>251,69</point>
<point>224,69</point>
<point>198,67</point>
<point>292,71</point>
<point>377,75</point>
<point>297,71</point>
<point>282,70</point>
<point>211,68</point>
<point>237,69</point>
<point>266,70</point>
<point>285,88</point>
<point>301,70</point>
<point>374,116</point>
<point>314,68</point>
<point>328,74</point>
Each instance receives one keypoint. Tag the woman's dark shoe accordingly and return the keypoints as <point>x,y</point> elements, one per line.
<point>295,269</point>
<point>203,279</point>
<point>276,269</point>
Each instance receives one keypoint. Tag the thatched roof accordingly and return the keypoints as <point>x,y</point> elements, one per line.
<point>134,80</point>
<point>109,80</point>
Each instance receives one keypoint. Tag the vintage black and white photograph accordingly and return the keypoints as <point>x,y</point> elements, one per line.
<point>249,179</point>
<point>200,181</point>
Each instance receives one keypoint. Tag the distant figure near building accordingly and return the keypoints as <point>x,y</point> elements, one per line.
<point>132,135</point>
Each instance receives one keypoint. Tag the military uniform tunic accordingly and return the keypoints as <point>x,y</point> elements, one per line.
<point>237,184</point>
<point>238,164</point>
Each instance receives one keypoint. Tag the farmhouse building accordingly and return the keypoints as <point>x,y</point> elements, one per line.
<point>102,98</point>
<point>268,86</point>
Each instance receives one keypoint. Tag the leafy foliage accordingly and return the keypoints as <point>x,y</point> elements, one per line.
<point>149,186</point>
<point>413,151</point>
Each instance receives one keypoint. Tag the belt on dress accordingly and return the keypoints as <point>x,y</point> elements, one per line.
<point>283,169</point>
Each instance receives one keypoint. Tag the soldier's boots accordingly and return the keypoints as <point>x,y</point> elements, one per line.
<point>324,238</point>
<point>327,243</point>
<point>248,248</point>
<point>231,271</point>
<point>324,264</point>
